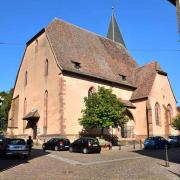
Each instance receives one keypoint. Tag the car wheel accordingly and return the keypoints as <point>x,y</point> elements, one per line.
<point>25,156</point>
<point>56,148</point>
<point>70,149</point>
<point>85,151</point>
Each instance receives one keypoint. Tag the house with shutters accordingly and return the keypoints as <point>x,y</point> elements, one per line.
<point>64,63</point>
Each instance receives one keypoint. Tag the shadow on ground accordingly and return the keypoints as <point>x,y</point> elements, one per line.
<point>173,154</point>
<point>13,161</point>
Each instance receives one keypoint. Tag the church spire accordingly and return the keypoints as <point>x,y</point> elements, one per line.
<point>114,32</point>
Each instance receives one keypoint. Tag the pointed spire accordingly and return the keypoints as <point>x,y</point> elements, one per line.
<point>114,32</point>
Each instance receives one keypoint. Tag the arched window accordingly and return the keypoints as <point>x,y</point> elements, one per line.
<point>170,113</point>
<point>45,112</point>
<point>157,114</point>
<point>46,68</point>
<point>25,107</point>
<point>25,78</point>
<point>91,90</point>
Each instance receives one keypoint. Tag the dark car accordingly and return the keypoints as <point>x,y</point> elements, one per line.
<point>85,145</point>
<point>155,142</point>
<point>2,144</point>
<point>12,146</point>
<point>174,141</point>
<point>56,144</point>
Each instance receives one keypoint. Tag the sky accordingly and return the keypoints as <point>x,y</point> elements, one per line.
<point>149,29</point>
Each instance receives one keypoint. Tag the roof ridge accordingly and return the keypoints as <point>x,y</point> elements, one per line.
<point>58,19</point>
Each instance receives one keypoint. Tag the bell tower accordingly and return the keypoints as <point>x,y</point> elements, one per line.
<point>114,32</point>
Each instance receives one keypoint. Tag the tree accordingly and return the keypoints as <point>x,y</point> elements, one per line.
<point>102,110</point>
<point>4,108</point>
<point>176,122</point>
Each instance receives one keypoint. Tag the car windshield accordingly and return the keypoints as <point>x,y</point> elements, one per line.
<point>16,141</point>
<point>93,141</point>
<point>150,138</point>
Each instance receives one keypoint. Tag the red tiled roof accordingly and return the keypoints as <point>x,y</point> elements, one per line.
<point>98,56</point>
<point>127,103</point>
<point>144,78</point>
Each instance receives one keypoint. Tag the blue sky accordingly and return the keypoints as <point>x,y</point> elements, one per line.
<point>149,29</point>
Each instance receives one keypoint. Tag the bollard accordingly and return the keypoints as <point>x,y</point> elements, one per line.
<point>134,144</point>
<point>166,154</point>
<point>140,143</point>
<point>119,147</point>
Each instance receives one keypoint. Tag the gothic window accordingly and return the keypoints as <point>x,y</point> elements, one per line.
<point>46,68</point>
<point>157,114</point>
<point>170,113</point>
<point>25,78</point>
<point>25,107</point>
<point>45,111</point>
<point>91,91</point>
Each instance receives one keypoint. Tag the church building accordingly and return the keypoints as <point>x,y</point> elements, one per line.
<point>64,63</point>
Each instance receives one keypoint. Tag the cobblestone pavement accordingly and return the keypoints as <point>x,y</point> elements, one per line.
<point>114,164</point>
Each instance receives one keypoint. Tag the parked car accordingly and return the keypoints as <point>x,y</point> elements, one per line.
<point>2,144</point>
<point>12,146</point>
<point>155,142</point>
<point>174,141</point>
<point>56,144</point>
<point>85,145</point>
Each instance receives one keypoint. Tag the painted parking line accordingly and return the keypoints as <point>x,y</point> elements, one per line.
<point>73,162</point>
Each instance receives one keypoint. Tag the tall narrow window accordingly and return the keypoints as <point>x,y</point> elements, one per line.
<point>170,113</point>
<point>91,90</point>
<point>46,68</point>
<point>157,114</point>
<point>25,78</point>
<point>45,112</point>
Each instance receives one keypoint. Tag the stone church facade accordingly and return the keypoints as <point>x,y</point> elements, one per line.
<point>63,63</point>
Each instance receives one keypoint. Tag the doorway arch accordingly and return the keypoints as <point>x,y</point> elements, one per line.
<point>127,131</point>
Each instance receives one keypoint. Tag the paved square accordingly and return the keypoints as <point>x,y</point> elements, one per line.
<point>115,164</point>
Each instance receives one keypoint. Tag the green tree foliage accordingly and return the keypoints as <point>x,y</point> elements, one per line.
<point>176,122</point>
<point>102,110</point>
<point>4,108</point>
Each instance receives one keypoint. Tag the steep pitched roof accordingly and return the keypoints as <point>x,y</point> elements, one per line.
<point>114,32</point>
<point>97,56</point>
<point>144,78</point>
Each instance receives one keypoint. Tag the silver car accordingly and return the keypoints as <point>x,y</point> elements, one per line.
<point>16,147</point>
